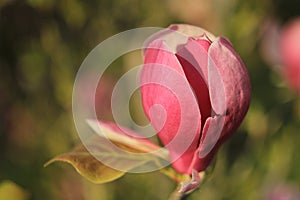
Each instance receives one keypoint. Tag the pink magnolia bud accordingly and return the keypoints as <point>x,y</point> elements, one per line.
<point>195,91</point>
<point>290,53</point>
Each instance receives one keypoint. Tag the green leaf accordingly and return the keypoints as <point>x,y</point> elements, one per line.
<point>117,153</point>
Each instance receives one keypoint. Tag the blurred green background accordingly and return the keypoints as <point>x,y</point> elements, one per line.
<point>42,45</point>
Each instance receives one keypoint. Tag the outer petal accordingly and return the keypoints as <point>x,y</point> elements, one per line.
<point>209,143</point>
<point>177,118</point>
<point>228,76</point>
<point>230,94</point>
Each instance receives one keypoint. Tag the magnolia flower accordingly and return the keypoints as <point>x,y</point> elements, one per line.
<point>195,91</point>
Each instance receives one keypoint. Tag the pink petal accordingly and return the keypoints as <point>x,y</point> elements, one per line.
<point>229,84</point>
<point>230,95</point>
<point>126,132</point>
<point>177,118</point>
<point>178,34</point>
<point>209,143</point>
<point>193,58</point>
<point>123,135</point>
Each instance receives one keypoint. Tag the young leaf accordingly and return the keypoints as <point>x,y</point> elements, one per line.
<point>111,155</point>
<point>88,166</point>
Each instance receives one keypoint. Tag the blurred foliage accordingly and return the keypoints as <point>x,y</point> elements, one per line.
<point>9,190</point>
<point>43,43</point>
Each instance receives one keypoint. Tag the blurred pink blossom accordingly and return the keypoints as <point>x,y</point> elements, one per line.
<point>283,192</point>
<point>281,50</point>
<point>290,51</point>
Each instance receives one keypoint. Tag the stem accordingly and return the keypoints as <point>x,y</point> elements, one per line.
<point>178,196</point>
